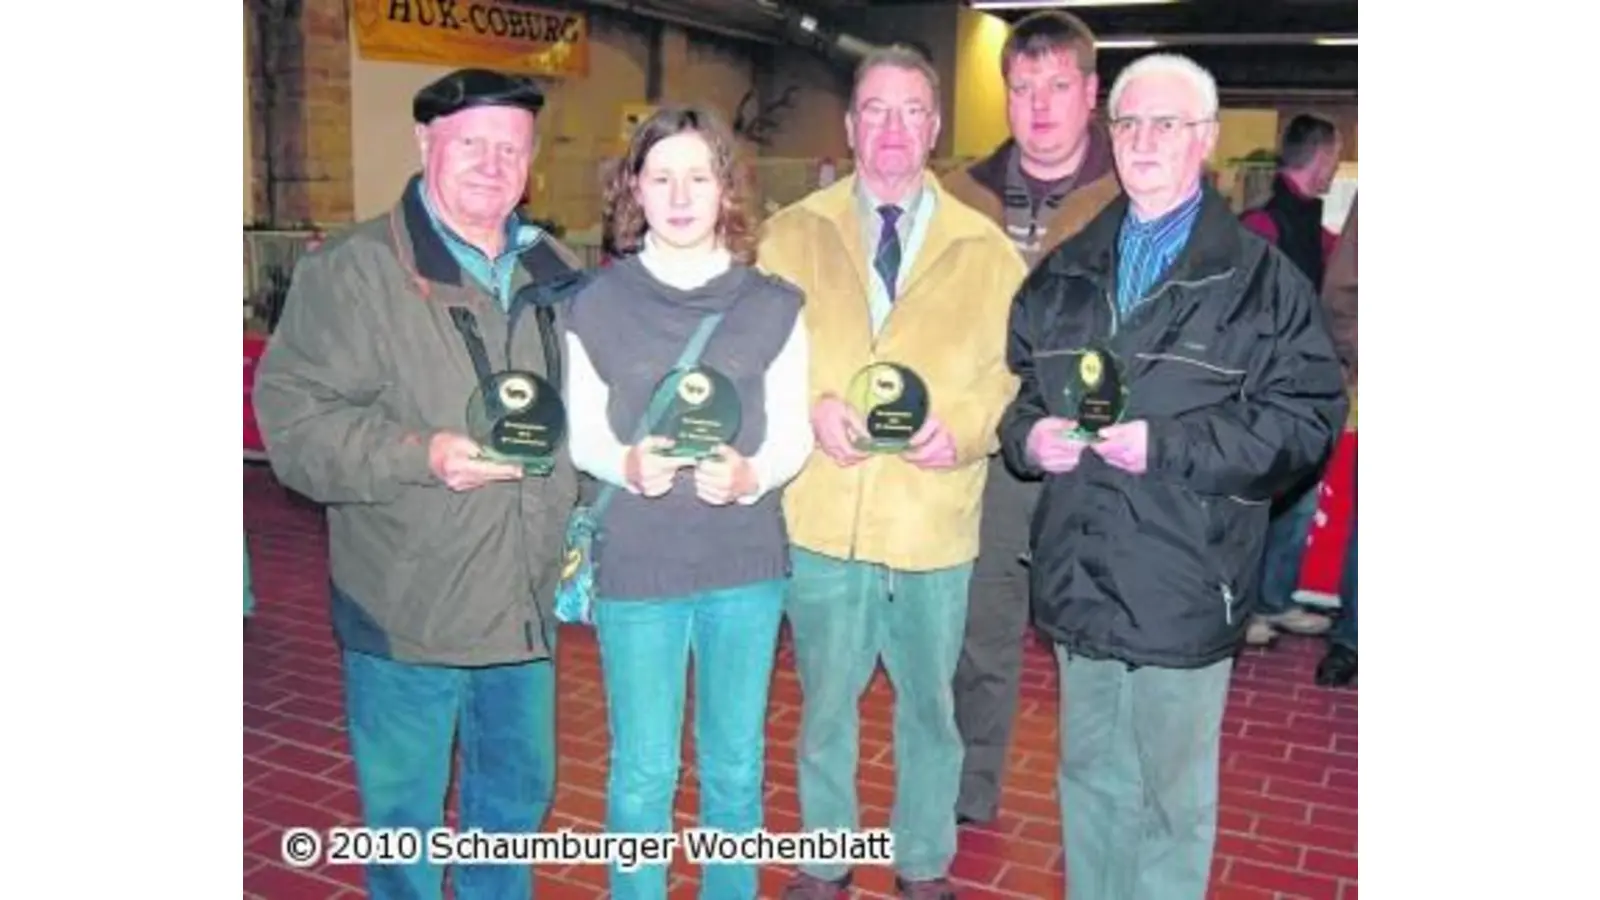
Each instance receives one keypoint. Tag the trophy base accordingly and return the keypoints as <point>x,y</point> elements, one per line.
<point>537,467</point>
<point>695,452</point>
<point>883,446</point>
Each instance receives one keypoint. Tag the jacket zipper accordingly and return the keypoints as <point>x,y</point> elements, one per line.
<point>468,323</point>
<point>1224,589</point>
<point>513,314</point>
<point>861,470</point>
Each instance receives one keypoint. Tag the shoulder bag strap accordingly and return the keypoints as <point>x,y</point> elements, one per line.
<point>467,324</point>
<point>662,397</point>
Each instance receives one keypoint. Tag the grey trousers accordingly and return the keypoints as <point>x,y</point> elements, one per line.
<point>1138,772</point>
<point>990,670</point>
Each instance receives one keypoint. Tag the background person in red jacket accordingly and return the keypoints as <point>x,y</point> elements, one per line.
<point>1308,157</point>
<point>1291,218</point>
<point>1338,667</point>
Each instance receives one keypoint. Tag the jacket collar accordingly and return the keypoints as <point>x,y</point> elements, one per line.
<point>1213,246</point>
<point>838,205</point>
<point>1097,162</point>
<point>423,250</point>
<point>1282,184</point>
<point>430,255</point>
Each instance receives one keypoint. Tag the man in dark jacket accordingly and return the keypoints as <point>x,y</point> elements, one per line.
<point>1147,540</point>
<point>1042,186</point>
<point>1291,218</point>
<point>443,563</point>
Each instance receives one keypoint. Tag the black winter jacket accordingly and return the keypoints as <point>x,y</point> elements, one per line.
<point>1230,363</point>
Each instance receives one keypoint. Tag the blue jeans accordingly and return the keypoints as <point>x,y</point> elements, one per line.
<point>1138,770</point>
<point>403,720</point>
<point>644,653</point>
<point>1285,552</point>
<point>843,616</point>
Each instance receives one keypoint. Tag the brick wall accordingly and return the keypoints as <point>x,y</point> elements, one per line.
<point>299,89</point>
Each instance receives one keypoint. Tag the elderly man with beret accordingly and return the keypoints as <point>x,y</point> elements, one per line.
<point>443,563</point>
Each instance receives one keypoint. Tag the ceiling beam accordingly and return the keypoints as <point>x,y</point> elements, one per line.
<point>1245,17</point>
<point>1258,67</point>
<point>688,20</point>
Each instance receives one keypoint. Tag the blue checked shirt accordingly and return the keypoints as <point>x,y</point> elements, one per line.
<point>1146,251</point>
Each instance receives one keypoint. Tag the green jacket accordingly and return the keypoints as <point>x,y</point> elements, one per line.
<point>364,367</point>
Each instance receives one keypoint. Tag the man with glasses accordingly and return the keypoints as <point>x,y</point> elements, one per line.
<point>894,270</point>
<point>1148,535</point>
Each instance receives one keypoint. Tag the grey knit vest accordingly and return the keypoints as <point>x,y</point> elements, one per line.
<point>633,328</point>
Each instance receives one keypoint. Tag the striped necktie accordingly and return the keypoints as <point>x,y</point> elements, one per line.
<point>887,260</point>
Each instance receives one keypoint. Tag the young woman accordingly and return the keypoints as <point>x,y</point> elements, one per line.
<point>693,557</point>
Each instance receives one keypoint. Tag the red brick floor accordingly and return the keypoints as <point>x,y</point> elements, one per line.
<point>1288,819</point>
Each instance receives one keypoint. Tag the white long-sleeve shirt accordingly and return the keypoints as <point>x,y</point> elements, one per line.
<point>788,440</point>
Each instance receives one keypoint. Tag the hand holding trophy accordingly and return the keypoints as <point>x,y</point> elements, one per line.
<point>703,414</point>
<point>517,417</point>
<point>1095,394</point>
<point>893,402</point>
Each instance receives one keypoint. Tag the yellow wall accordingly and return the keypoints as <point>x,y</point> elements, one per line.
<point>1244,130</point>
<point>979,118</point>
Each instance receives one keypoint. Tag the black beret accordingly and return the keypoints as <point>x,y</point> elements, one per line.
<point>466,88</point>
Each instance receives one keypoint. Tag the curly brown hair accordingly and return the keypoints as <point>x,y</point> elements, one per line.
<point>623,220</point>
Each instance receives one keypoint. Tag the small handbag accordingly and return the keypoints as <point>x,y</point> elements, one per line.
<point>576,592</point>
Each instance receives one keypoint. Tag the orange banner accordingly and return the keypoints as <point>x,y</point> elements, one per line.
<point>474,33</point>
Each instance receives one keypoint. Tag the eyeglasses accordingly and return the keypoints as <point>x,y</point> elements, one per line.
<point>1162,127</point>
<point>875,114</point>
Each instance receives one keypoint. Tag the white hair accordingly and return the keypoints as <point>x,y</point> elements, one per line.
<point>1169,64</point>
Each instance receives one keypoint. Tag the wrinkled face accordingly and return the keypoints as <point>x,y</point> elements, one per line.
<point>1161,135</point>
<point>679,191</point>
<point>894,124</point>
<point>475,163</point>
<point>1324,166</point>
<point>1049,102</point>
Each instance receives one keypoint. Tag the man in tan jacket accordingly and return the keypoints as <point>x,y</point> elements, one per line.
<point>893,270</point>
<point>1042,186</point>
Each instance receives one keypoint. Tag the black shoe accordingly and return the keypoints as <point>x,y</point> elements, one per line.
<point>964,819</point>
<point>1338,668</point>
<point>932,889</point>
<point>810,887</point>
